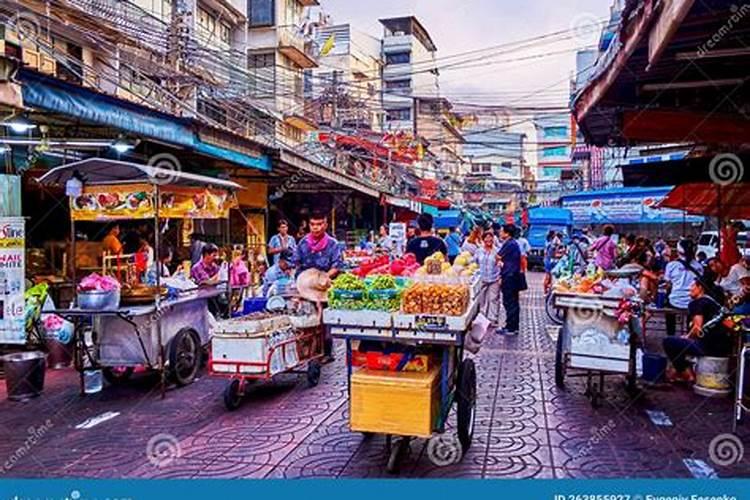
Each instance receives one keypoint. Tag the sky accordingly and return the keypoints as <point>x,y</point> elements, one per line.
<point>541,75</point>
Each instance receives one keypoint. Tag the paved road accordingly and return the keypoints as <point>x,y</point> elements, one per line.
<point>525,427</point>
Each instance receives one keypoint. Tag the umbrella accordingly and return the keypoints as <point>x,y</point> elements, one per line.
<point>731,201</point>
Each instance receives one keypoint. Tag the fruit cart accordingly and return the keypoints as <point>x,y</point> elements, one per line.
<point>410,404</point>
<point>261,345</point>
<point>162,330</point>
<point>598,337</point>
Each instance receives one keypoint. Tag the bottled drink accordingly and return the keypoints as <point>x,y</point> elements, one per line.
<point>92,381</point>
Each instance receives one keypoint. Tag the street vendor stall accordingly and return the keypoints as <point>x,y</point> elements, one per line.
<point>599,335</point>
<point>125,318</point>
<point>405,354</point>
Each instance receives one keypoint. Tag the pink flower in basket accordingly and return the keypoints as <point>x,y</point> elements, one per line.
<point>52,322</point>
<point>97,283</point>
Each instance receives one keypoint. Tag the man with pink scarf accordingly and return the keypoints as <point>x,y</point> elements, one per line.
<point>320,251</point>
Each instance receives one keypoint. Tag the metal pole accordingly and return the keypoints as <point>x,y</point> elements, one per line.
<point>157,246</point>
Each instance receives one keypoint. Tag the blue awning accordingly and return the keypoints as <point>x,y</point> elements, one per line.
<point>448,218</point>
<point>43,92</point>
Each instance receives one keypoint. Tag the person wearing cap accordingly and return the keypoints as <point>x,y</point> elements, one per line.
<point>206,271</point>
<point>280,270</point>
<point>512,278</point>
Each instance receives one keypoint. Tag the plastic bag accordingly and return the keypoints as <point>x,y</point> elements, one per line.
<point>479,329</point>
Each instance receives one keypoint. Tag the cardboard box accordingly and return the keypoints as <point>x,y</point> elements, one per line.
<point>400,403</point>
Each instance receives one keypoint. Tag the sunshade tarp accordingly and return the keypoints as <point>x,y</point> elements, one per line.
<point>448,218</point>
<point>711,199</point>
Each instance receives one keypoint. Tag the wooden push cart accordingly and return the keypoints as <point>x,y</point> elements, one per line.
<point>395,394</point>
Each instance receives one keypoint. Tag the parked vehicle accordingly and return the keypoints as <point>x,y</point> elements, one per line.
<point>709,243</point>
<point>542,220</point>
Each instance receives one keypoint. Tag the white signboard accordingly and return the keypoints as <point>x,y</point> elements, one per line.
<point>12,284</point>
<point>397,233</point>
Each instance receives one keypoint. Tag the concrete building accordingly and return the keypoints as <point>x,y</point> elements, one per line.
<point>347,81</point>
<point>279,50</point>
<point>410,70</point>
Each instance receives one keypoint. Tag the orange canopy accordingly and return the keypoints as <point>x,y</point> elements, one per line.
<point>731,201</point>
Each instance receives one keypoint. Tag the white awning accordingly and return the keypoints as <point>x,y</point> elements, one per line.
<point>95,171</point>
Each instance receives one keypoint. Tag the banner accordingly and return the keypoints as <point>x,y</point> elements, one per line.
<point>623,208</point>
<point>195,203</point>
<point>12,280</point>
<point>132,201</point>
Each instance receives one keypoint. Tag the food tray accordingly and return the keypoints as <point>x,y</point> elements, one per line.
<point>358,318</point>
<point>243,325</point>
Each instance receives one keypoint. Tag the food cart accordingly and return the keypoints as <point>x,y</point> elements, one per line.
<point>598,337</point>
<point>413,403</point>
<point>159,331</point>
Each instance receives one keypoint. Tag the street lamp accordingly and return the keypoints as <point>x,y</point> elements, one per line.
<point>122,145</point>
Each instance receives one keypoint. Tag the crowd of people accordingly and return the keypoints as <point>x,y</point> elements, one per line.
<point>675,279</point>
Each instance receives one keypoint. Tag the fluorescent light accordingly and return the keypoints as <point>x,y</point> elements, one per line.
<point>122,145</point>
<point>19,124</point>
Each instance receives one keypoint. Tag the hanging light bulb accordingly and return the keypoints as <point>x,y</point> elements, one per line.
<point>19,124</point>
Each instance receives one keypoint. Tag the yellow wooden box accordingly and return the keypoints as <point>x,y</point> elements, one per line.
<point>400,403</point>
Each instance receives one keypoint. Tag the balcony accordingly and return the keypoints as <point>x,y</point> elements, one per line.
<point>294,46</point>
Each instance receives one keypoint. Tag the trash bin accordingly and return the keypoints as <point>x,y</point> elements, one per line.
<point>654,368</point>
<point>24,374</point>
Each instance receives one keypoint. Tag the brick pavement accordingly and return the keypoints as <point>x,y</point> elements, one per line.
<point>525,427</point>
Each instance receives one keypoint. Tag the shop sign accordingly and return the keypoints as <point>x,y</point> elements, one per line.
<point>195,203</point>
<point>625,208</point>
<point>12,280</point>
<point>133,201</point>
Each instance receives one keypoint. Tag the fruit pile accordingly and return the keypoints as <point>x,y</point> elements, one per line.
<point>405,266</point>
<point>436,298</point>
<point>347,292</point>
<point>436,264</point>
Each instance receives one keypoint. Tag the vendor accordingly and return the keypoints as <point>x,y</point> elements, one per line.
<point>679,275</point>
<point>281,270</point>
<point>281,241</point>
<point>318,249</point>
<point>206,271</point>
<point>741,299</point>
<point>111,243</point>
<point>731,282</point>
<point>165,259</point>
<point>697,342</point>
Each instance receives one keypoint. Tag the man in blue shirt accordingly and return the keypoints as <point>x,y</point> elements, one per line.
<point>281,241</point>
<point>511,277</point>
<point>453,241</point>
<point>320,251</point>
<point>282,269</point>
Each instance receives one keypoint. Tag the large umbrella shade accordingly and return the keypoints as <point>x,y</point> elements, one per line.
<point>731,201</point>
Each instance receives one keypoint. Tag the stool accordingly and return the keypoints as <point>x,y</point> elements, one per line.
<point>712,377</point>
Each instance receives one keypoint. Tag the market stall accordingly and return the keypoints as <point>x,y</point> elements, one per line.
<point>599,335</point>
<point>405,327</point>
<point>124,317</point>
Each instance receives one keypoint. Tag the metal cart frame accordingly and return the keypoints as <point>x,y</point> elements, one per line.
<point>179,345</point>
<point>456,385</point>
<point>564,355</point>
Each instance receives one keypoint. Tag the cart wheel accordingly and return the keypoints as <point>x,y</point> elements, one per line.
<point>554,314</point>
<point>184,356</point>
<point>117,375</point>
<point>466,402</point>
<point>560,362</point>
<point>313,373</point>
<point>232,395</point>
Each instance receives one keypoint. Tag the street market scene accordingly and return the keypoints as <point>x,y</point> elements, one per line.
<point>280,239</point>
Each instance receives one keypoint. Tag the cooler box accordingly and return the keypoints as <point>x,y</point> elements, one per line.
<point>400,403</point>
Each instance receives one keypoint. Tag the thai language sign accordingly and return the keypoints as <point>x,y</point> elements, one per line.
<point>12,280</point>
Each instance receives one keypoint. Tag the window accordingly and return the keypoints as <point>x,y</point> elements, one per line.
<point>398,84</point>
<point>401,114</point>
<point>262,69</point>
<point>555,151</point>
<point>556,131</point>
<point>506,165</point>
<point>398,58</point>
<point>308,84</point>
<point>260,12</point>
<point>550,172</point>
<point>225,33</point>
